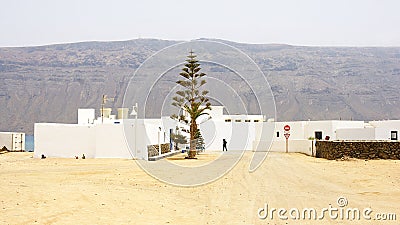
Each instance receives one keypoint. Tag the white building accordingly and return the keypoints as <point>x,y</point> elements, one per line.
<point>104,137</point>
<point>374,130</point>
<point>111,136</point>
<point>13,141</point>
<point>238,130</point>
<point>302,134</point>
<point>253,132</point>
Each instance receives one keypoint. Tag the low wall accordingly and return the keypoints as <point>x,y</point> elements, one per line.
<point>153,150</point>
<point>358,149</point>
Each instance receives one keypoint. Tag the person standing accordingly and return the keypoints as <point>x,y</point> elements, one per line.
<point>224,145</point>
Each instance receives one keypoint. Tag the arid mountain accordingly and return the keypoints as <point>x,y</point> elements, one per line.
<point>49,83</point>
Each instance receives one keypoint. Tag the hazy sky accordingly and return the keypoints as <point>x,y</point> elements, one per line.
<point>297,22</point>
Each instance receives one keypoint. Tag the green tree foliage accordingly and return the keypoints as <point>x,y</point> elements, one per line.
<point>178,139</point>
<point>199,140</point>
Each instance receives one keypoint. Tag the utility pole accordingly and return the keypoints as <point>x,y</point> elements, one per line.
<point>135,113</point>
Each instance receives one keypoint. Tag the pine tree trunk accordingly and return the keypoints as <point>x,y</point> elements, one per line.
<point>192,150</point>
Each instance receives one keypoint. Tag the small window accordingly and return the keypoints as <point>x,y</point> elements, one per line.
<point>228,120</point>
<point>318,135</point>
<point>256,121</point>
<point>393,135</point>
<point>277,134</point>
<point>247,121</point>
<point>238,121</point>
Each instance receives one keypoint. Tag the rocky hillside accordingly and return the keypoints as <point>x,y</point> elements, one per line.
<point>49,83</point>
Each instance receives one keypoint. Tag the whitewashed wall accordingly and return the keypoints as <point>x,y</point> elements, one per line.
<point>325,126</point>
<point>86,116</point>
<point>343,124</point>
<point>213,132</point>
<point>64,140</point>
<point>14,141</point>
<point>299,133</point>
<point>356,134</point>
<point>390,124</point>
<point>70,140</point>
<point>153,131</point>
<point>299,146</point>
<point>98,141</point>
<point>297,130</point>
<point>239,135</point>
<point>306,129</point>
<point>140,148</point>
<point>384,133</point>
<point>6,139</point>
<point>110,142</point>
<point>374,130</point>
<point>384,128</point>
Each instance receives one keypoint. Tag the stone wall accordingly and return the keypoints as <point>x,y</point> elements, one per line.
<point>358,149</point>
<point>153,150</point>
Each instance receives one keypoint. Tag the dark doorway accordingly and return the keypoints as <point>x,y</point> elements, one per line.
<point>318,135</point>
<point>393,135</point>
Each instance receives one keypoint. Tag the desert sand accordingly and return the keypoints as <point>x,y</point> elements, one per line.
<point>118,191</point>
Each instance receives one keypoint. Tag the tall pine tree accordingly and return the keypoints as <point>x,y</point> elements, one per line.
<point>192,98</point>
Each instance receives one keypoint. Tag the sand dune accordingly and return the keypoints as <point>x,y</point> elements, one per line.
<point>117,191</point>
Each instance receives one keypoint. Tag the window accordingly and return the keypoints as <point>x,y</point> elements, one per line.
<point>318,135</point>
<point>277,134</point>
<point>228,120</point>
<point>247,121</point>
<point>393,135</point>
<point>238,121</point>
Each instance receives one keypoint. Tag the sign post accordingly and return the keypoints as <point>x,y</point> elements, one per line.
<point>286,128</point>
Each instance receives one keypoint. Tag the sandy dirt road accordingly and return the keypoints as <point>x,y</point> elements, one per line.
<point>117,191</point>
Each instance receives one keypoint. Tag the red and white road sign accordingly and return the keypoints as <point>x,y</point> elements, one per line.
<point>286,128</point>
<point>287,135</point>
